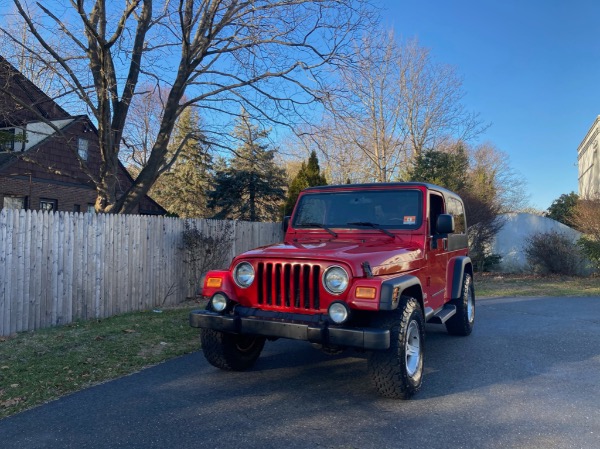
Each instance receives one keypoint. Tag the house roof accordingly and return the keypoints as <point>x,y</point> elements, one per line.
<point>22,101</point>
<point>6,158</point>
<point>9,157</point>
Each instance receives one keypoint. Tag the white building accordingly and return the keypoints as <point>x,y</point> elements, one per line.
<point>588,159</point>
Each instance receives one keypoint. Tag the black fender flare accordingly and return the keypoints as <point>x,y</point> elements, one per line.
<point>387,299</point>
<point>458,266</point>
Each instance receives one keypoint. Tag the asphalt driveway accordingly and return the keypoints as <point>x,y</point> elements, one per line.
<point>528,377</point>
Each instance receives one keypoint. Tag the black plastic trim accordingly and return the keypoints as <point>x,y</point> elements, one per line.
<point>315,332</point>
<point>457,241</point>
<point>443,314</point>
<point>386,301</point>
<point>460,264</point>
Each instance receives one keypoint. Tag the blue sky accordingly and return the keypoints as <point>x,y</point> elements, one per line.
<point>530,67</point>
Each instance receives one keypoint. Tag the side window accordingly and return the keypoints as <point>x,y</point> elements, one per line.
<point>455,208</point>
<point>15,202</point>
<point>7,139</point>
<point>12,139</point>
<point>436,207</point>
<point>48,204</point>
<point>82,148</point>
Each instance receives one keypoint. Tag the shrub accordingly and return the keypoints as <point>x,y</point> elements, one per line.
<point>591,249</point>
<point>491,262</point>
<point>206,248</point>
<point>553,253</point>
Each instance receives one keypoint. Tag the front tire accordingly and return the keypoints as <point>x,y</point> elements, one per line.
<point>397,372</point>
<point>464,319</point>
<point>231,352</point>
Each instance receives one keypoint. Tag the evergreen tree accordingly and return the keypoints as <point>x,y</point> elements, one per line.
<point>182,189</point>
<point>308,176</point>
<point>250,187</point>
<point>447,169</point>
<point>563,207</point>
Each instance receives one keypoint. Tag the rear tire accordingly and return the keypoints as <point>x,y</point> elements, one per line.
<point>231,352</point>
<point>397,372</point>
<point>464,319</point>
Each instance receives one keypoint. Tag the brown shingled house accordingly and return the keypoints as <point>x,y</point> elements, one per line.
<point>39,167</point>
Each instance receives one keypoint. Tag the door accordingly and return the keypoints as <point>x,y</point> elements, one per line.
<point>437,258</point>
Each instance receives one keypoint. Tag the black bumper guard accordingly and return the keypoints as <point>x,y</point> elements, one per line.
<point>310,328</point>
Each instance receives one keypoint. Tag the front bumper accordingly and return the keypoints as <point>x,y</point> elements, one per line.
<point>279,325</point>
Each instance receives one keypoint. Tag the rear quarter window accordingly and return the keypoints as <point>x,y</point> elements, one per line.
<point>455,207</point>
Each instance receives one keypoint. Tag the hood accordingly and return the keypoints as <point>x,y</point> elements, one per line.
<point>385,256</point>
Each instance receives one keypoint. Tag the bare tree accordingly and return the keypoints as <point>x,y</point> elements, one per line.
<point>341,160</point>
<point>491,175</point>
<point>586,218</point>
<point>272,57</point>
<point>368,116</point>
<point>15,39</point>
<point>484,221</point>
<point>431,94</point>
<point>142,128</point>
<point>396,103</point>
<point>493,188</point>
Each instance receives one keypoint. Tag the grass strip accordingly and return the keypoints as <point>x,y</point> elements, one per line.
<point>38,366</point>
<point>509,285</point>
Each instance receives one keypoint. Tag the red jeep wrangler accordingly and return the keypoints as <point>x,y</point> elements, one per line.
<point>362,266</point>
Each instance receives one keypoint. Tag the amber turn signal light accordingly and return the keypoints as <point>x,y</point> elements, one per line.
<point>214,282</point>
<point>366,292</point>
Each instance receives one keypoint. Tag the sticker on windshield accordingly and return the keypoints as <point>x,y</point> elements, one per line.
<point>410,219</point>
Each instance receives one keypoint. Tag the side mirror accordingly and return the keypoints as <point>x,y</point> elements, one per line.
<point>445,224</point>
<point>285,223</point>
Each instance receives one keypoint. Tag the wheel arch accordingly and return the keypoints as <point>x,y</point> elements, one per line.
<point>393,289</point>
<point>457,267</point>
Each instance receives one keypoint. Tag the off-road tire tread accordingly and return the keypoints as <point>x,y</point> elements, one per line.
<point>459,324</point>
<point>387,368</point>
<point>220,351</point>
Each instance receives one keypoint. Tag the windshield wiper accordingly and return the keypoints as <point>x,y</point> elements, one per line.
<point>372,225</point>
<point>317,225</point>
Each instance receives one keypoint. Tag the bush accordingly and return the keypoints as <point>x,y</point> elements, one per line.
<point>484,223</point>
<point>207,248</point>
<point>591,249</point>
<point>491,262</point>
<point>553,253</point>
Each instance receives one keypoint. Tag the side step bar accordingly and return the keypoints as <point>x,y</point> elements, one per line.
<point>441,315</point>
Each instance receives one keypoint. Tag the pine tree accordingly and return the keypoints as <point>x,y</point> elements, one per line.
<point>445,168</point>
<point>308,176</point>
<point>182,189</point>
<point>563,207</point>
<point>250,187</point>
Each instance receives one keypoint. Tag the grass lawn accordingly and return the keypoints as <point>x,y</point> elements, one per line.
<point>38,366</point>
<point>503,285</point>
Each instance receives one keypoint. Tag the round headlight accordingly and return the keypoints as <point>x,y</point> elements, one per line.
<point>335,280</point>
<point>219,302</point>
<point>243,274</point>
<point>338,312</point>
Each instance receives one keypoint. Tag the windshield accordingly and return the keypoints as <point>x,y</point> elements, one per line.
<point>387,209</point>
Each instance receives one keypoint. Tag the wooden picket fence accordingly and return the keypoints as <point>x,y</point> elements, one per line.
<point>59,267</point>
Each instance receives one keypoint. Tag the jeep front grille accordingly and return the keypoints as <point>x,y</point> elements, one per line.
<point>286,285</point>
